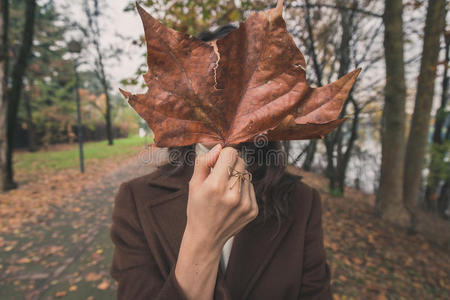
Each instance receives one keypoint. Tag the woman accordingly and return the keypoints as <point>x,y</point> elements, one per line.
<point>170,227</point>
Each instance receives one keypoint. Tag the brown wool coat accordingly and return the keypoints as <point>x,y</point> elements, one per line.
<point>149,218</point>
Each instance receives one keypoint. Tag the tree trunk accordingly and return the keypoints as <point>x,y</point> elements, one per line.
<point>438,151</point>
<point>109,133</point>
<point>331,175</point>
<point>17,83</point>
<point>94,29</point>
<point>443,200</point>
<point>344,159</point>
<point>336,168</point>
<point>310,152</point>
<point>102,77</point>
<point>440,116</point>
<point>447,135</point>
<point>4,22</point>
<point>389,204</point>
<point>31,133</point>
<point>420,123</point>
<point>314,57</point>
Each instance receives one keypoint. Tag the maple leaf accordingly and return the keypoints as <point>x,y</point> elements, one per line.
<point>250,82</point>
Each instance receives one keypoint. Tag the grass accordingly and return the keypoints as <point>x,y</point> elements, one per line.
<point>30,162</point>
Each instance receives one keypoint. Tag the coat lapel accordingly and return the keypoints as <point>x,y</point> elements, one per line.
<point>252,247</point>
<point>252,251</point>
<point>168,210</point>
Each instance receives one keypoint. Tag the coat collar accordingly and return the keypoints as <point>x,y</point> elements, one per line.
<point>252,247</point>
<point>174,182</point>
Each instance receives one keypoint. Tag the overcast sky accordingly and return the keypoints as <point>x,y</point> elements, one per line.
<point>116,24</point>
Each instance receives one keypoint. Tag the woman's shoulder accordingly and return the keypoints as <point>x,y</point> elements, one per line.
<point>293,175</point>
<point>143,180</point>
<point>135,188</point>
<point>158,178</point>
<point>155,185</point>
<point>304,195</point>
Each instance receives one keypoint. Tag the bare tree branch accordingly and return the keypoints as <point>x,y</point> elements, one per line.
<point>320,5</point>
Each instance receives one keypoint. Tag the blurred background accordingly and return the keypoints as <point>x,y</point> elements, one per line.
<point>68,138</point>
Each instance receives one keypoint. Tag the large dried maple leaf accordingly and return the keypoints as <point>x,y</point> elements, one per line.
<point>250,82</point>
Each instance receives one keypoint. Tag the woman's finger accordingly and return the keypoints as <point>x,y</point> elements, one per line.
<point>234,181</point>
<point>204,163</point>
<point>227,158</point>
<point>253,198</point>
<point>249,193</point>
<point>245,193</point>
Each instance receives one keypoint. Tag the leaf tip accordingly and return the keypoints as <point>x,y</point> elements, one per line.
<point>277,11</point>
<point>279,7</point>
<point>138,6</point>
<point>142,12</point>
<point>125,93</point>
<point>357,71</point>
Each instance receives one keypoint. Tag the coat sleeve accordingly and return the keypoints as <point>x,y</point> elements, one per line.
<point>316,271</point>
<point>133,265</point>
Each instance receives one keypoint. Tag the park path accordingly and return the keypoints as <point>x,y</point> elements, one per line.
<point>68,255</point>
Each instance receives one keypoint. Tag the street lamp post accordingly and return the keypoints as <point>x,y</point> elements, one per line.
<point>75,47</point>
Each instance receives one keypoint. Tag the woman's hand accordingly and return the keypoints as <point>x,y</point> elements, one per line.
<point>215,212</point>
<point>218,209</point>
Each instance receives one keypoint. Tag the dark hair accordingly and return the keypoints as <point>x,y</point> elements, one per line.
<point>207,35</point>
<point>273,185</point>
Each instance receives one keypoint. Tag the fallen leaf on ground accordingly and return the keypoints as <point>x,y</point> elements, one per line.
<point>103,285</point>
<point>92,276</point>
<point>73,288</point>
<point>61,294</point>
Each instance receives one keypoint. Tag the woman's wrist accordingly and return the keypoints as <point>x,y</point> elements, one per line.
<point>197,265</point>
<point>201,242</point>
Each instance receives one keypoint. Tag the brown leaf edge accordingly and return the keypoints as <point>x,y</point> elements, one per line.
<point>317,116</point>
